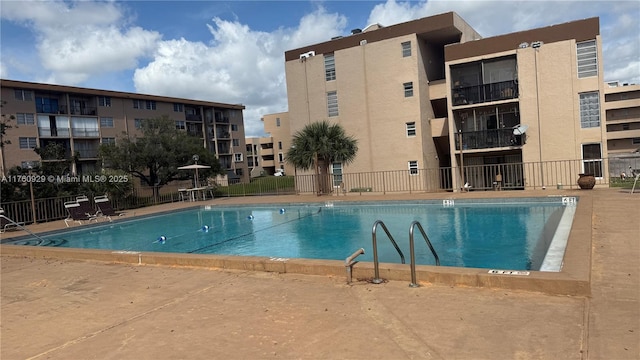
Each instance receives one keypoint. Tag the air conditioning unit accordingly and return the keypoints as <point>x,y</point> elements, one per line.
<point>363,42</point>
<point>307,54</point>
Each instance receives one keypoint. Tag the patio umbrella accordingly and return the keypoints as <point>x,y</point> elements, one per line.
<point>194,167</point>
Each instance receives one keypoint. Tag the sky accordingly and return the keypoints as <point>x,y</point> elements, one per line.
<point>233,51</point>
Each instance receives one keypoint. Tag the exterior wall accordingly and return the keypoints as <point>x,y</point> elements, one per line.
<point>372,107</point>
<point>548,101</point>
<point>123,114</point>
<point>371,102</point>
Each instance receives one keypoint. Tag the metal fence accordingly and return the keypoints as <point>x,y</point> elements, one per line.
<point>514,176</point>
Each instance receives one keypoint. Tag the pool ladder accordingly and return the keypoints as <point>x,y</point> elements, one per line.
<point>376,265</point>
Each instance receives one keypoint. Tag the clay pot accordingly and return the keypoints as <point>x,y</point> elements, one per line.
<point>586,181</point>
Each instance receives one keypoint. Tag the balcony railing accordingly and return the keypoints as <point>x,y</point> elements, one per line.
<point>55,132</point>
<point>86,133</point>
<point>84,110</point>
<point>465,95</point>
<point>487,139</point>
<point>193,117</point>
<point>88,153</point>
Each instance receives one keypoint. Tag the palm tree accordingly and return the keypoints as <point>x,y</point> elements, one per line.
<point>318,145</point>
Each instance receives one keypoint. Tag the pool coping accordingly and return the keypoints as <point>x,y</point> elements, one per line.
<point>573,279</point>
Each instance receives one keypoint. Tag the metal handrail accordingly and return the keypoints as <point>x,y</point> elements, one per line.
<point>42,241</point>
<point>376,278</point>
<point>414,283</point>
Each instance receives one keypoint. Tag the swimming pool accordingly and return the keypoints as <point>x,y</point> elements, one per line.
<point>507,234</point>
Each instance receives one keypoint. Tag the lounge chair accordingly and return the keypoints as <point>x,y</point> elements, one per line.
<point>6,223</point>
<point>105,208</point>
<point>85,206</point>
<point>77,213</point>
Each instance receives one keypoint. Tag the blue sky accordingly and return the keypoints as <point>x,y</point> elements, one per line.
<point>233,51</point>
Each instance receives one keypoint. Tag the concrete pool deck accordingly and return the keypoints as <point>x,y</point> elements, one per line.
<point>64,308</point>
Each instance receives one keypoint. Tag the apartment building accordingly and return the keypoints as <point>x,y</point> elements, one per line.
<point>268,153</point>
<point>622,111</point>
<point>431,93</point>
<point>80,119</point>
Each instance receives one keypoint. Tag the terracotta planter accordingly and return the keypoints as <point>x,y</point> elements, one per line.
<point>586,181</point>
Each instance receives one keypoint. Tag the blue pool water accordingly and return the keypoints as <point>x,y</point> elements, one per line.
<point>478,235</point>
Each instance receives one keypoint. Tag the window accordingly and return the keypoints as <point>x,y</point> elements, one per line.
<point>332,103</point>
<point>411,129</point>
<point>180,125</point>
<point>137,104</point>
<point>151,105</point>
<point>25,95</point>
<point>47,105</point>
<point>336,170</point>
<point>406,49</point>
<point>589,110</point>
<point>281,157</point>
<point>413,167</point>
<point>279,145</point>
<point>329,67</point>
<point>236,142</point>
<point>587,55</point>
<point>635,141</point>
<point>278,122</point>
<point>84,127</point>
<point>625,126</point>
<point>238,157</point>
<point>104,101</point>
<point>25,119</point>
<point>137,123</point>
<point>408,89</point>
<point>178,108</point>
<point>234,127</point>
<point>592,159</point>
<point>106,122</point>
<point>27,143</point>
<point>108,140</point>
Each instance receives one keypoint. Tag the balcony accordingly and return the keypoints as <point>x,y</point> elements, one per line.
<point>194,117</point>
<point>488,139</point>
<point>86,133</point>
<point>87,153</point>
<point>83,110</point>
<point>223,135</point>
<point>477,94</point>
<point>53,132</point>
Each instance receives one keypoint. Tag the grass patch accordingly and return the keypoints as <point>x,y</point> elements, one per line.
<point>267,185</point>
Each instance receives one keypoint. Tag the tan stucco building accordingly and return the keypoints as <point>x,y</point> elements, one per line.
<point>411,92</point>
<point>80,119</point>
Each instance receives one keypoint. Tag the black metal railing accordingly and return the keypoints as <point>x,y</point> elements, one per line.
<point>487,139</point>
<point>507,176</point>
<point>476,94</point>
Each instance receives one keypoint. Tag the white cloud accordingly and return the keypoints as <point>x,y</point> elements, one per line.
<point>78,40</point>
<point>238,65</point>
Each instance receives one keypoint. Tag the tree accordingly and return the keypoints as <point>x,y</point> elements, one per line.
<point>318,145</point>
<point>5,124</point>
<point>155,157</point>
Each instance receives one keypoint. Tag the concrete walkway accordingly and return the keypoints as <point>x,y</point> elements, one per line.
<point>65,309</point>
